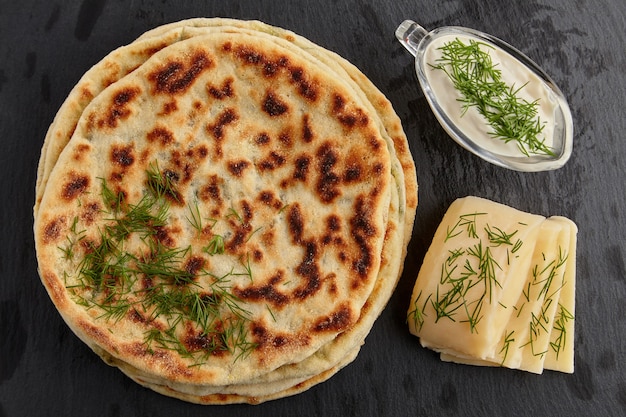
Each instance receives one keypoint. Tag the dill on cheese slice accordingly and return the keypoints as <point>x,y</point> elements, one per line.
<point>560,356</point>
<point>539,330</point>
<point>463,296</point>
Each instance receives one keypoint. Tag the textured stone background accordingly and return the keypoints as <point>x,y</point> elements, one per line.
<point>46,46</point>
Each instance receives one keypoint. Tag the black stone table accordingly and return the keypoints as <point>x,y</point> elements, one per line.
<point>45,46</point>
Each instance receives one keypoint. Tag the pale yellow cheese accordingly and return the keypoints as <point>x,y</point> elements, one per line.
<point>560,356</point>
<point>463,295</point>
<point>539,315</point>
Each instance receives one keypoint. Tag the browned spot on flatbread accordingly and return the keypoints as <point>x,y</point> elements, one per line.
<point>169,108</point>
<point>80,151</point>
<point>308,269</point>
<point>76,185</point>
<point>56,290</point>
<point>265,292</point>
<point>118,109</point>
<point>89,212</point>
<point>225,118</point>
<point>236,168</point>
<point>272,161</point>
<point>211,190</point>
<point>337,321</point>
<point>194,265</point>
<point>160,134</point>
<point>177,76</point>
<point>307,130</point>
<point>122,156</point>
<point>327,184</point>
<point>362,231</point>
<point>274,106</point>
<point>262,139</point>
<point>269,199</point>
<point>301,168</point>
<point>225,90</point>
<point>348,116</point>
<point>305,87</point>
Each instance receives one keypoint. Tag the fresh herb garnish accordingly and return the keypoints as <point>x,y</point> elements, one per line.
<point>511,118</point>
<point>152,282</point>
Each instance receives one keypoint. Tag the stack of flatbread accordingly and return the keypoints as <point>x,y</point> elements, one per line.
<point>223,210</point>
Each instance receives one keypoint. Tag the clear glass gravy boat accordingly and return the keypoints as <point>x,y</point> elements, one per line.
<point>416,40</point>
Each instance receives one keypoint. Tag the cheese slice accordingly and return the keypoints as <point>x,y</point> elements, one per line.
<point>560,356</point>
<point>463,296</point>
<point>539,327</point>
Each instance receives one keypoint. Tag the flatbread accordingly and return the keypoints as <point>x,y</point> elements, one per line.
<point>324,357</point>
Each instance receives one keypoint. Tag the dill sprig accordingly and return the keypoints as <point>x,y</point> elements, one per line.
<point>466,267</point>
<point>511,118</point>
<point>153,281</point>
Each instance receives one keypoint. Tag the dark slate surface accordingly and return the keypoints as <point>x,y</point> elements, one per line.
<point>46,46</point>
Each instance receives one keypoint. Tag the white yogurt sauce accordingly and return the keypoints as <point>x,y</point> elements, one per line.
<point>471,122</point>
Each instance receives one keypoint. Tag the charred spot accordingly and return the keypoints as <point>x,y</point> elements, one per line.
<point>203,151</point>
<point>212,342</point>
<point>305,88</point>
<point>154,49</point>
<point>116,176</point>
<point>285,139</point>
<point>224,91</point>
<point>267,293</point>
<point>257,255</point>
<point>302,168</point>
<point>333,223</point>
<point>89,212</point>
<point>75,186</point>
<point>86,93</point>
<point>81,150</point>
<point>161,135</point>
<point>188,171</point>
<point>352,174</point>
<point>164,236</point>
<point>266,197</point>
<point>309,270</point>
<point>262,139</point>
<point>270,69</point>
<point>194,265</point>
<point>348,118</point>
<point>211,191</point>
<point>362,230</point>
<point>238,239</point>
<point>279,341</point>
<point>337,321</point>
<point>260,333</point>
<point>375,143</point>
<point>236,168</point>
<point>268,237</point>
<point>122,156</point>
<point>273,106</point>
<point>52,231</point>
<point>169,108</point>
<point>307,131</point>
<point>227,47</point>
<point>328,180</point>
<point>247,212</point>
<point>295,223</point>
<point>176,77</point>
<point>118,109</point>
<point>250,56</point>
<point>274,160</point>
<point>227,117</point>
<point>269,199</point>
